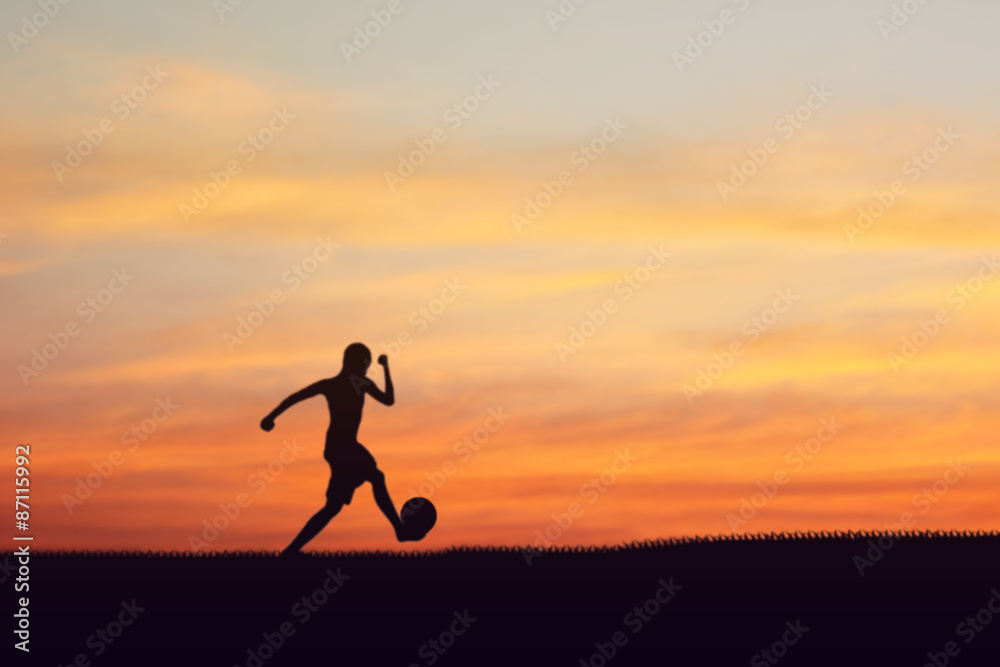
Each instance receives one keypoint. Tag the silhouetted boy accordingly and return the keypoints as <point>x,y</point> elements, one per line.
<point>351,465</point>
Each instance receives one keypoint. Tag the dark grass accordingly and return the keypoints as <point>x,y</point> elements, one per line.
<point>737,594</point>
<point>825,537</point>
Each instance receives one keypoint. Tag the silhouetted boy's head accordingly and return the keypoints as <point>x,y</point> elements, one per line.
<point>357,358</point>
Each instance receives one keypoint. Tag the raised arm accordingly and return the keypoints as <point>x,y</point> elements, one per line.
<point>387,397</point>
<point>312,390</point>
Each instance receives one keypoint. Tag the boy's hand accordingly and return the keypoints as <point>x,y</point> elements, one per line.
<point>383,360</point>
<point>267,423</point>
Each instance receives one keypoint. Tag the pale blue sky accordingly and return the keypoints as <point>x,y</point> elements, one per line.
<point>609,57</point>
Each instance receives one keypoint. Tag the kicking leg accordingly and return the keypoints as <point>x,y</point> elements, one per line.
<point>313,526</point>
<point>384,503</point>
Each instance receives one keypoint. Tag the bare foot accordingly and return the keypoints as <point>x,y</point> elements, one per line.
<point>403,536</point>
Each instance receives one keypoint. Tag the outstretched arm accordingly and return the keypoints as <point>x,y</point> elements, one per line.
<point>312,390</point>
<point>387,397</point>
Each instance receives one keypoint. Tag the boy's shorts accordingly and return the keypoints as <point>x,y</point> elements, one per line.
<point>350,467</point>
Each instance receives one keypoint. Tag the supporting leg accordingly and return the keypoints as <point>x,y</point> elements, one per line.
<point>384,503</point>
<point>313,526</point>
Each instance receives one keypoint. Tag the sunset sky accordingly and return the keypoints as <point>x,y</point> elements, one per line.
<point>613,202</point>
